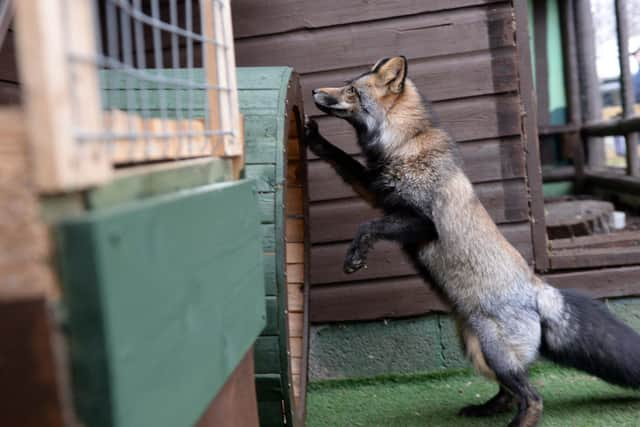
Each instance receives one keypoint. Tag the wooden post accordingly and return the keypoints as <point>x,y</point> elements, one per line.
<point>220,71</point>
<point>628,98</point>
<point>60,98</point>
<point>530,137</point>
<point>589,85</point>
<point>542,66</point>
<point>572,84</point>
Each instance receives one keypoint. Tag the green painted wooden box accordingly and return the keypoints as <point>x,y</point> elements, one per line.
<point>164,297</point>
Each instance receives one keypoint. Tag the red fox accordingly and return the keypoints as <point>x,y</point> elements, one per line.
<point>506,315</point>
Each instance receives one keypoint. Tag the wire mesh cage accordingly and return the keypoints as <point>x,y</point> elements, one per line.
<point>116,83</point>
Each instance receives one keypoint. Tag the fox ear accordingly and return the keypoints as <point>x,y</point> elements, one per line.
<point>378,64</point>
<point>392,72</point>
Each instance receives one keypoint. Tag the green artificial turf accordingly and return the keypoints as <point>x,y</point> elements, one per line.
<point>572,399</point>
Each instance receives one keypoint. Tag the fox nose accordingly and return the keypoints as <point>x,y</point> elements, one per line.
<point>314,91</point>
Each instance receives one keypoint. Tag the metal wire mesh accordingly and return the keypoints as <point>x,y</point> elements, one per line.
<point>154,92</point>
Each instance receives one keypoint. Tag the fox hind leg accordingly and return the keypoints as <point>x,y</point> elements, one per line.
<point>502,402</point>
<point>498,360</point>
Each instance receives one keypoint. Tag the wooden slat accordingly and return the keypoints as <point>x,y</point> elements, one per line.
<point>412,297</point>
<point>487,160</point>
<point>295,325</point>
<point>387,260</point>
<point>295,297</point>
<point>469,119</point>
<point>439,78</point>
<point>295,273</point>
<point>505,201</point>
<point>294,202</point>
<point>622,238</point>
<point>254,18</point>
<point>295,253</point>
<point>25,245</point>
<point>53,110</point>
<point>600,283</point>
<point>399,297</point>
<point>294,230</point>
<point>594,257</point>
<point>323,49</point>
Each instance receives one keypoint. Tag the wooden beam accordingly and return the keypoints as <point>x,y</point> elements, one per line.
<point>611,127</point>
<point>628,97</point>
<point>542,66</point>
<point>530,137</point>
<point>589,82</point>
<point>55,109</point>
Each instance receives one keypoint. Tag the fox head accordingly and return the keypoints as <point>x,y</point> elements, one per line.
<point>380,98</point>
<point>367,94</point>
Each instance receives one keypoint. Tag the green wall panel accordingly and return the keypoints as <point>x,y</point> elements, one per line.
<point>164,296</point>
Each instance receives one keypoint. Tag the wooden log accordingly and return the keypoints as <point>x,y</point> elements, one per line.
<point>577,218</point>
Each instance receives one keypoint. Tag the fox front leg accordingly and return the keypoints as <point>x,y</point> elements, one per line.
<point>350,170</point>
<point>404,229</point>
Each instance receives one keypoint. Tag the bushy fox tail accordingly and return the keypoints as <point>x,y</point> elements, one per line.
<point>582,333</point>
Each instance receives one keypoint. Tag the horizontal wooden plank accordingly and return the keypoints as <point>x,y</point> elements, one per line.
<point>255,18</point>
<point>417,36</point>
<point>600,283</point>
<point>487,160</point>
<point>397,297</point>
<point>439,79</point>
<point>387,260</point>
<point>402,297</point>
<point>505,201</point>
<point>616,239</point>
<point>469,119</point>
<point>581,258</point>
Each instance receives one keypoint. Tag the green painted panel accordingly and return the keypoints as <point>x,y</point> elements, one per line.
<point>269,261</point>
<point>153,183</point>
<point>258,102</point>
<point>264,175</point>
<point>265,140</point>
<point>266,204</point>
<point>268,387</point>
<point>259,149</point>
<point>270,413</point>
<point>262,77</point>
<point>269,241</point>
<point>271,327</point>
<point>267,355</point>
<point>261,127</point>
<point>165,297</point>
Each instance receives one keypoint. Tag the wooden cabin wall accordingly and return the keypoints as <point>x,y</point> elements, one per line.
<point>463,57</point>
<point>9,87</point>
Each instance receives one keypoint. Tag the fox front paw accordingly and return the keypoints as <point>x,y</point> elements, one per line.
<point>310,127</point>
<point>353,262</point>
